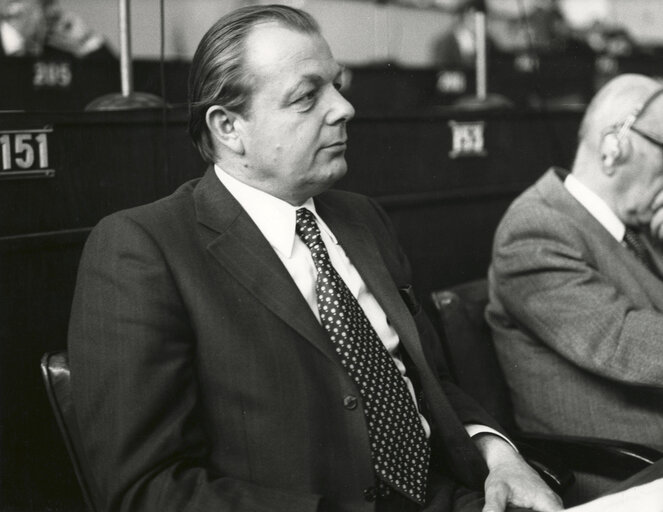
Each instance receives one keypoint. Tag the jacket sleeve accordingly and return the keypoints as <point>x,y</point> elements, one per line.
<point>547,281</point>
<point>136,398</point>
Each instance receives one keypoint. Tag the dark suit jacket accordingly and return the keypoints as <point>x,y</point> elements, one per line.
<point>202,380</point>
<point>577,321</point>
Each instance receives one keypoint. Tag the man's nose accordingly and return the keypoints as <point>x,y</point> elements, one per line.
<point>341,109</point>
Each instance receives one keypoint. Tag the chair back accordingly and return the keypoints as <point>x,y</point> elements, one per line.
<point>469,347</point>
<point>56,375</point>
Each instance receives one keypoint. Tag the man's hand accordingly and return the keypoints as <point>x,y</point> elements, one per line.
<point>511,480</point>
<point>656,223</point>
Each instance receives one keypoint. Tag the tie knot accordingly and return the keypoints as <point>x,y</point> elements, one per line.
<point>633,241</point>
<point>630,231</point>
<point>305,217</point>
<point>307,229</point>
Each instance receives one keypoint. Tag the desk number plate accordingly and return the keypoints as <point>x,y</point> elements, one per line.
<point>467,139</point>
<point>24,154</point>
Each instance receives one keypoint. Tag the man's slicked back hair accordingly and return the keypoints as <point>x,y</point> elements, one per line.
<point>218,73</point>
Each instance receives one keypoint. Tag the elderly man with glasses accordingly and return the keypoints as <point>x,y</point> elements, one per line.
<point>576,302</point>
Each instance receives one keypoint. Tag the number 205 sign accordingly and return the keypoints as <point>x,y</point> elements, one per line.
<point>24,154</point>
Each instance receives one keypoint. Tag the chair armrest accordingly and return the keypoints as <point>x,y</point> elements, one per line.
<point>605,457</point>
<point>550,467</point>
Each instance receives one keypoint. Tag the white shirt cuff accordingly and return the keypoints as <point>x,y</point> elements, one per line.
<point>474,429</point>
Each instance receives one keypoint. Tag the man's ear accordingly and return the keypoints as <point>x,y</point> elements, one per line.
<point>222,126</point>
<point>615,150</point>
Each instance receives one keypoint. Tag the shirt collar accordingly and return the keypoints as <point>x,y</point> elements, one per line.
<point>13,42</point>
<point>275,218</point>
<point>596,206</point>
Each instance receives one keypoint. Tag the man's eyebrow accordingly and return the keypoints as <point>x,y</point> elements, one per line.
<point>314,79</point>
<point>304,80</point>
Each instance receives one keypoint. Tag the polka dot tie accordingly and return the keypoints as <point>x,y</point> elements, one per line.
<point>399,446</point>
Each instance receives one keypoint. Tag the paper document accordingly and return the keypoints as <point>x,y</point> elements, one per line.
<point>643,498</point>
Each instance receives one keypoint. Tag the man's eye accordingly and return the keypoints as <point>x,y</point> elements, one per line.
<point>306,101</point>
<point>307,97</point>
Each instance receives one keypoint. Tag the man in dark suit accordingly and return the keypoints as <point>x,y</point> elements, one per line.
<point>576,297</point>
<point>244,344</point>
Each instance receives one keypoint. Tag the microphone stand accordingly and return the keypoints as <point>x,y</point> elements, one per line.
<point>482,99</point>
<point>128,99</point>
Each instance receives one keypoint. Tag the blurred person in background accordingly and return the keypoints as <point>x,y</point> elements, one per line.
<point>40,28</point>
<point>512,28</point>
<point>534,25</point>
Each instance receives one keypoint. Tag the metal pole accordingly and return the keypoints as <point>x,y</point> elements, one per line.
<point>126,71</point>
<point>481,65</point>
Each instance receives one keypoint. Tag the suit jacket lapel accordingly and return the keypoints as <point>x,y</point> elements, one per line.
<point>238,245</point>
<point>359,244</point>
<point>552,188</point>
<point>242,250</point>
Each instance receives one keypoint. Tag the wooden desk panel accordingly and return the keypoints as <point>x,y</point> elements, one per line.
<point>103,162</point>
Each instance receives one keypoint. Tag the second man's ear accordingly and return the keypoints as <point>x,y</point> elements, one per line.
<point>614,149</point>
<point>222,126</point>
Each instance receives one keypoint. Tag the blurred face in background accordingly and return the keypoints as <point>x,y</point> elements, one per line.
<point>28,18</point>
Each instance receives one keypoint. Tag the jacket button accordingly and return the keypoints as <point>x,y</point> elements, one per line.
<point>350,402</point>
<point>370,494</point>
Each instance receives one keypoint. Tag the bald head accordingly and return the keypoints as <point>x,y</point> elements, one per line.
<point>613,104</point>
<point>620,151</point>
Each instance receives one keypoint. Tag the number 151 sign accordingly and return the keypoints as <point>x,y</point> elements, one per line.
<point>24,154</point>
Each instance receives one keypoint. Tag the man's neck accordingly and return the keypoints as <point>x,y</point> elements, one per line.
<point>282,193</point>
<point>294,201</point>
<point>595,204</point>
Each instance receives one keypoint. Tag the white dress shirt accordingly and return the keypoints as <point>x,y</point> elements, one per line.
<point>596,206</point>
<point>276,220</point>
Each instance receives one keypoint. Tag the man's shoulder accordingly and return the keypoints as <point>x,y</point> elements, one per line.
<point>351,204</point>
<point>352,207</point>
<point>540,202</point>
<point>543,211</point>
<point>165,210</point>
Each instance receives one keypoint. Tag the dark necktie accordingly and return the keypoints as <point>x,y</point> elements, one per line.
<point>399,446</point>
<point>636,245</point>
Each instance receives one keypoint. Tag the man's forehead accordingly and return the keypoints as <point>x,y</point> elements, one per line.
<point>272,46</point>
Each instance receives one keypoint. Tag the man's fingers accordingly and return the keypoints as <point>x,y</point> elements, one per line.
<point>656,224</point>
<point>658,201</point>
<point>547,502</point>
<point>496,497</point>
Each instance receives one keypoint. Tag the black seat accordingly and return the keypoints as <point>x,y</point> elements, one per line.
<point>56,375</point>
<point>474,365</point>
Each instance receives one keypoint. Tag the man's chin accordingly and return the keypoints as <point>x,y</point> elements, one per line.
<point>328,179</point>
<point>337,173</point>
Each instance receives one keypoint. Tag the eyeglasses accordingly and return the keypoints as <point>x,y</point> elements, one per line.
<point>651,138</point>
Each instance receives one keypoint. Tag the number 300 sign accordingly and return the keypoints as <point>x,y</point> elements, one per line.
<point>24,154</point>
